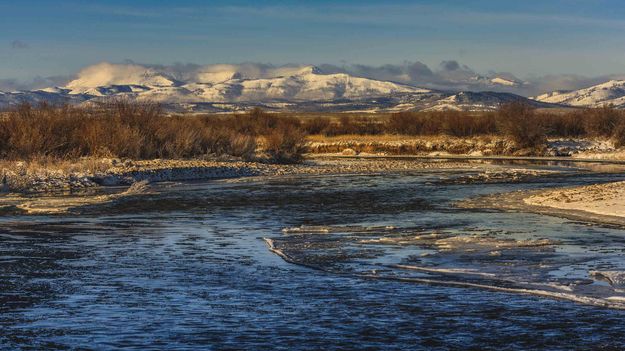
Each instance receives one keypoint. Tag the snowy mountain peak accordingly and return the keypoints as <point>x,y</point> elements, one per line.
<point>609,93</point>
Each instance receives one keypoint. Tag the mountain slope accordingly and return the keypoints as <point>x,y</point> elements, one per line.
<point>608,93</point>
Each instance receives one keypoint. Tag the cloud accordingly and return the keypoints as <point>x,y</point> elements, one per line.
<point>9,85</point>
<point>450,75</point>
<point>105,73</point>
<point>406,72</point>
<point>35,83</point>
<point>207,73</point>
<point>453,75</point>
<point>452,65</point>
<point>19,45</point>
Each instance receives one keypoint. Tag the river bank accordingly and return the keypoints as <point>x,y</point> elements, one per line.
<point>51,177</point>
<point>326,155</point>
<point>49,190</point>
<point>61,187</point>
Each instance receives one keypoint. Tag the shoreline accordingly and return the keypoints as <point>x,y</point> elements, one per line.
<point>22,178</point>
<point>54,192</point>
<point>69,177</point>
<point>517,201</point>
<point>57,196</point>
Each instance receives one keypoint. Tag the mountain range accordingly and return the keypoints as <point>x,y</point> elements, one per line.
<point>304,88</point>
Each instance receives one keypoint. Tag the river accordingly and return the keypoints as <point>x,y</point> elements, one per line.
<point>383,261</point>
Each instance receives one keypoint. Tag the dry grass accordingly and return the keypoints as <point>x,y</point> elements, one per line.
<point>140,131</point>
<point>410,144</point>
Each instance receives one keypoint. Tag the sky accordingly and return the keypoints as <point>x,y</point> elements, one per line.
<point>530,38</point>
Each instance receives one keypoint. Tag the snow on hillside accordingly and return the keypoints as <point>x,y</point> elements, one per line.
<point>608,93</point>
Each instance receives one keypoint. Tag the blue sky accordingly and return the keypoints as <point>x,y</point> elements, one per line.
<point>527,38</point>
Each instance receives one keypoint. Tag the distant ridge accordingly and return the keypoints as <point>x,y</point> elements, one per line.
<point>303,88</point>
<point>604,94</point>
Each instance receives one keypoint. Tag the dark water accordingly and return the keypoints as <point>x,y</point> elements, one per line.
<point>187,268</point>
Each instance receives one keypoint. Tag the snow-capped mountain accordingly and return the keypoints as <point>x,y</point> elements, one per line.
<point>608,93</point>
<point>477,101</point>
<point>291,88</point>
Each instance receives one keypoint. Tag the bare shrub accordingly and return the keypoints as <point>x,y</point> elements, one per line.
<point>358,125</point>
<point>520,122</point>
<point>134,130</point>
<point>570,124</point>
<point>243,146</point>
<point>412,123</point>
<point>618,134</point>
<point>124,129</point>
<point>316,125</point>
<point>601,121</point>
<point>454,123</point>
<point>463,124</point>
<point>285,144</point>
